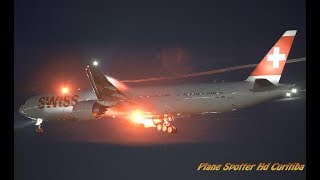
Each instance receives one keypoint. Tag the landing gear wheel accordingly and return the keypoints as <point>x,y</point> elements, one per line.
<point>170,129</point>
<point>159,127</point>
<point>39,130</point>
<point>164,123</point>
<point>174,130</point>
<point>164,128</point>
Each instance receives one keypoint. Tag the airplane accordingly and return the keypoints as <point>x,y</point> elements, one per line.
<point>158,106</point>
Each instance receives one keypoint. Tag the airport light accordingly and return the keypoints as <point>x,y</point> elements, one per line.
<point>288,94</point>
<point>294,90</point>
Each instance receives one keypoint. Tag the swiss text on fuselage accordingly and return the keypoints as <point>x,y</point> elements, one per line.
<point>57,101</point>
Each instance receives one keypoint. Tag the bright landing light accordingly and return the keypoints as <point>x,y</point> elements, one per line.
<point>137,117</point>
<point>140,117</point>
<point>288,94</point>
<point>294,90</point>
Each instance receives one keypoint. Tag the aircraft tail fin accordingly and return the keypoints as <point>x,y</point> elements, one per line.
<point>272,64</point>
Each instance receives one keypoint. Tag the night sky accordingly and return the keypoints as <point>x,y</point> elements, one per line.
<point>53,43</point>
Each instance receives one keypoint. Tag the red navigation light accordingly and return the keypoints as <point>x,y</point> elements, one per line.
<point>64,90</point>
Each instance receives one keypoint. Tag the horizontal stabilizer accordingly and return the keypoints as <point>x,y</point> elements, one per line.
<point>261,85</point>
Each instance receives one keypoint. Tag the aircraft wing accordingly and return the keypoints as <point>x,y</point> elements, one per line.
<point>109,95</point>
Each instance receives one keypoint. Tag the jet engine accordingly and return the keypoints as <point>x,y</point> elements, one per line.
<point>88,110</point>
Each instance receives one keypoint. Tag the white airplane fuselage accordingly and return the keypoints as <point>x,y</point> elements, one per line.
<point>177,99</point>
<point>162,103</point>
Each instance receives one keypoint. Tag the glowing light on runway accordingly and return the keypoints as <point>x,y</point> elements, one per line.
<point>217,71</point>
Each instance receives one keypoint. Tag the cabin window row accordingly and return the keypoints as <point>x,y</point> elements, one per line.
<point>161,95</point>
<point>204,93</point>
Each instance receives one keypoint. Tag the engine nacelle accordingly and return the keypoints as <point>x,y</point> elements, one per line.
<point>88,110</point>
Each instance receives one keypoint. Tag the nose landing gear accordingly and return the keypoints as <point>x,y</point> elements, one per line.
<point>39,129</point>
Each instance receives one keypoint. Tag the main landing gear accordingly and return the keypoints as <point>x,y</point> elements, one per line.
<point>163,124</point>
<point>39,129</point>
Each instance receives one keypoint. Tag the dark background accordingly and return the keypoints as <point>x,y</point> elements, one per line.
<point>53,41</point>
